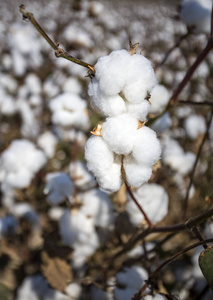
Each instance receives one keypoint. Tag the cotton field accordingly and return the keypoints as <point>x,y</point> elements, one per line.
<point>106,142</point>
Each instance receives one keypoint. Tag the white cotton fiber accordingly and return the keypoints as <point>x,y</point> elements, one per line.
<point>80,175</point>
<point>48,141</point>
<point>136,174</point>
<point>119,133</point>
<point>111,71</point>
<point>73,290</point>
<point>194,126</point>
<point>154,200</point>
<point>197,13</point>
<point>59,187</point>
<point>146,148</point>
<point>69,110</point>
<point>140,79</point>
<point>104,104</point>
<point>138,111</point>
<point>21,161</point>
<point>155,297</point>
<point>159,99</point>
<point>174,156</point>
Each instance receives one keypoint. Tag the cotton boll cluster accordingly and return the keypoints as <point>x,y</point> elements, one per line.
<point>197,14</point>
<point>194,126</point>
<point>129,282</point>
<point>119,90</point>
<point>59,187</point>
<point>69,110</point>
<point>154,200</point>
<point>78,226</point>
<point>20,162</point>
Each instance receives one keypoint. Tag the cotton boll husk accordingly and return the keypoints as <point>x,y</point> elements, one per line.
<point>80,175</point>
<point>154,200</point>
<point>147,149</point>
<point>48,141</point>
<point>106,105</point>
<point>194,126</point>
<point>159,99</point>
<point>136,174</point>
<point>138,111</point>
<point>111,71</point>
<point>119,133</point>
<point>140,79</point>
<point>58,188</point>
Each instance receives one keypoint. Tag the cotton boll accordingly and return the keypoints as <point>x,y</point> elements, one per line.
<point>162,124</point>
<point>136,174</point>
<point>174,156</point>
<point>159,99</point>
<point>73,290</point>
<point>69,110</point>
<point>8,106</point>
<point>139,111</point>
<point>111,71</point>
<point>110,180</point>
<point>197,13</point>
<point>146,148</point>
<point>154,201</point>
<point>120,133</point>
<point>72,85</point>
<point>48,141</point>
<point>26,211</point>
<point>55,213</point>
<point>106,105</point>
<point>8,225</point>
<point>140,79</point>
<point>33,84</point>
<point>21,161</point>
<point>80,175</point>
<point>194,126</point>
<point>97,294</point>
<point>58,188</point>
<point>155,297</point>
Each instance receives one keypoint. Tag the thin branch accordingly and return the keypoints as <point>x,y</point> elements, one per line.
<point>212,22</point>
<point>166,262</point>
<point>132,195</point>
<point>59,52</point>
<point>188,225</point>
<point>190,72</point>
<point>198,236</point>
<point>210,103</point>
<point>185,203</point>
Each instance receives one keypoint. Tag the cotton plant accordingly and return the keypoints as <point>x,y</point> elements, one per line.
<point>122,148</point>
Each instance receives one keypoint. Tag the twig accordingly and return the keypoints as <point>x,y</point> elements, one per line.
<point>210,103</point>
<point>198,236</point>
<point>59,52</point>
<point>132,195</point>
<point>166,262</point>
<point>185,203</point>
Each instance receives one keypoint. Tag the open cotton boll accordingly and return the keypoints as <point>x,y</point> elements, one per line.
<point>155,297</point>
<point>162,124</point>
<point>197,13</point>
<point>8,225</point>
<point>154,200</point>
<point>104,104</point>
<point>48,141</point>
<point>159,99</point>
<point>140,79</point>
<point>111,71</point>
<point>136,174</point>
<point>119,133</point>
<point>80,175</point>
<point>73,290</point>
<point>110,180</point>
<point>138,111</point>
<point>194,126</point>
<point>174,156</point>
<point>69,109</point>
<point>131,279</point>
<point>97,205</point>
<point>21,161</point>
<point>58,188</point>
<point>147,147</point>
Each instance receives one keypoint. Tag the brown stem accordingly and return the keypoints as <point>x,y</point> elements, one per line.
<point>166,262</point>
<point>185,203</point>
<point>132,195</point>
<point>198,236</point>
<point>190,72</point>
<point>210,103</point>
<point>59,52</point>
